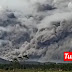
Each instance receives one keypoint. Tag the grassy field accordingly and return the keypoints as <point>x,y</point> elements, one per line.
<point>28,70</point>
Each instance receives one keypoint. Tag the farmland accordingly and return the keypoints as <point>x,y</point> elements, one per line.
<point>30,70</point>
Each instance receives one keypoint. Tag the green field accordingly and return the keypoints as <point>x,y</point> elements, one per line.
<point>29,70</point>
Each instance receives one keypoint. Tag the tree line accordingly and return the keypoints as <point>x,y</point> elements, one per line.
<point>40,66</point>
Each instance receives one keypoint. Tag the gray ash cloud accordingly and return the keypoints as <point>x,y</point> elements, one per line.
<point>42,30</point>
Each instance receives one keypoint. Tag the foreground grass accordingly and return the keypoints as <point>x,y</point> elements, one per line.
<point>29,70</point>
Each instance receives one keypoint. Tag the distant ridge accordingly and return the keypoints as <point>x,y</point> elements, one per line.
<point>2,61</point>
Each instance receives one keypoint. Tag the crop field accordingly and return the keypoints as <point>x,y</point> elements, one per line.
<point>29,70</point>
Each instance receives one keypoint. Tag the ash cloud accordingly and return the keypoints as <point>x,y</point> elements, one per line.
<point>42,29</point>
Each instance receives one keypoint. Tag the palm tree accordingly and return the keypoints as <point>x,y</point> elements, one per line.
<point>15,60</point>
<point>18,59</point>
<point>25,56</point>
<point>16,63</point>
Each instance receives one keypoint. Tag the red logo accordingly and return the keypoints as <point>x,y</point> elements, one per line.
<point>67,56</point>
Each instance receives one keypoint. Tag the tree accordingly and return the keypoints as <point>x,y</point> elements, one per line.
<point>16,61</point>
<point>25,56</point>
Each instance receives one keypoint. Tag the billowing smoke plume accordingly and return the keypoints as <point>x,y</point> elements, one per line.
<point>42,29</point>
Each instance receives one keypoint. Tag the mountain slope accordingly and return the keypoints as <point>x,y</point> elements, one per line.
<point>2,61</point>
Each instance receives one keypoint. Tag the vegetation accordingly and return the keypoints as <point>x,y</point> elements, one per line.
<point>29,70</point>
<point>16,66</point>
<point>41,67</point>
